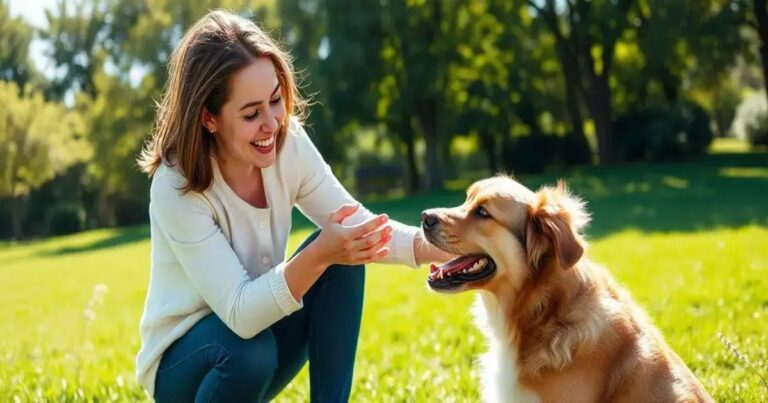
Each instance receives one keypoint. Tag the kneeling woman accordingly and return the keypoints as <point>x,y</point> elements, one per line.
<point>225,318</point>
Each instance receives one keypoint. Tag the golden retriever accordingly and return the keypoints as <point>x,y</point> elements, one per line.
<point>559,328</point>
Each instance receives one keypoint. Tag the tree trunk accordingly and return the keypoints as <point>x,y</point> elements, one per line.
<point>583,153</point>
<point>428,120</point>
<point>761,14</point>
<point>17,217</point>
<point>599,103</point>
<point>106,211</point>
<point>573,85</point>
<point>414,181</point>
<point>489,146</point>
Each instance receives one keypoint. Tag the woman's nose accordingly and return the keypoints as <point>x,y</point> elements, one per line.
<point>270,122</point>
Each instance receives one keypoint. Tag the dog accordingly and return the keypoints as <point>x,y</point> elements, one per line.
<point>559,328</point>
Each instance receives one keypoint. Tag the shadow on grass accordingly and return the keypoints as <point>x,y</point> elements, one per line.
<point>119,237</point>
<point>716,191</point>
<point>53,246</point>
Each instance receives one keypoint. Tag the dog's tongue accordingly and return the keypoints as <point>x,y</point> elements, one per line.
<point>453,265</point>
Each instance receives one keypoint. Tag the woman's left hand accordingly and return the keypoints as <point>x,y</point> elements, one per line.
<point>425,252</point>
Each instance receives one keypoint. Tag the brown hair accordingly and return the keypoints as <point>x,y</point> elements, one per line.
<point>216,46</point>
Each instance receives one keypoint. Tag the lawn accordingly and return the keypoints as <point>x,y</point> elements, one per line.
<point>689,240</point>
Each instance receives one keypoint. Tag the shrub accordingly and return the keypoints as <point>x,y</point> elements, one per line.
<point>66,219</point>
<point>530,154</point>
<point>751,122</point>
<point>663,134</point>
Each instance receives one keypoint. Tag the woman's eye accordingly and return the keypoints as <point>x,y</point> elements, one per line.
<point>276,100</point>
<point>252,116</point>
<point>482,212</point>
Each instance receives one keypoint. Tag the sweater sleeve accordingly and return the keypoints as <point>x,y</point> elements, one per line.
<point>321,193</point>
<point>245,305</point>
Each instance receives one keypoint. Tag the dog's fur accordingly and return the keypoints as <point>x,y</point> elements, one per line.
<point>559,327</point>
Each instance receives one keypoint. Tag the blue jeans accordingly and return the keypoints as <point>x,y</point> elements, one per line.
<point>210,363</point>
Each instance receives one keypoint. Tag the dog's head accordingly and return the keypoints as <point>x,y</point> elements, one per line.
<point>504,234</point>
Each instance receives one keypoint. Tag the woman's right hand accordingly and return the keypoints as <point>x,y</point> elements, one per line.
<point>352,245</point>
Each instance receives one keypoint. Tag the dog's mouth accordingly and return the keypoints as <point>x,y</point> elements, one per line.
<point>450,276</point>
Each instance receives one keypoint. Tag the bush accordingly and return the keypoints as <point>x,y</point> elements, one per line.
<point>751,122</point>
<point>663,134</point>
<point>530,154</point>
<point>66,219</point>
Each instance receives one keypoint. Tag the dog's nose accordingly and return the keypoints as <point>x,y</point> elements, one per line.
<point>428,220</point>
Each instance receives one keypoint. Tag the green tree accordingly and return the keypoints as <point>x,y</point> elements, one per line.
<point>38,140</point>
<point>419,54</point>
<point>15,37</point>
<point>76,37</point>
<point>114,125</point>
<point>586,34</point>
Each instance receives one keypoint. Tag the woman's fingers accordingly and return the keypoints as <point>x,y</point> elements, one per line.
<point>374,247</point>
<point>365,228</point>
<point>343,212</point>
<point>374,239</point>
<point>371,256</point>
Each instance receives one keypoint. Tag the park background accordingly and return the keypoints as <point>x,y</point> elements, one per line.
<point>654,111</point>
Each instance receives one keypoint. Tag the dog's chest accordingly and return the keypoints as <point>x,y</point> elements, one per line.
<point>499,377</point>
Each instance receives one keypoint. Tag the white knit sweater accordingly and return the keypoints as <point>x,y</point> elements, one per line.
<point>212,251</point>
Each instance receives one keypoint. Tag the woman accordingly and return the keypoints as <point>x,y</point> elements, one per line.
<point>225,319</point>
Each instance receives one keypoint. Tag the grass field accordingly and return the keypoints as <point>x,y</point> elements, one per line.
<point>689,240</point>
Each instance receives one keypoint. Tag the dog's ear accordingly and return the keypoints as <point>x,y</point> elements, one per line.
<point>555,219</point>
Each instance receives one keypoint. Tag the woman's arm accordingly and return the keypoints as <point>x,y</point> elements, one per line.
<point>320,193</point>
<point>245,305</point>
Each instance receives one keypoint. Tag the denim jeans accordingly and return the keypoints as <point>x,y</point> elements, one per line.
<point>210,363</point>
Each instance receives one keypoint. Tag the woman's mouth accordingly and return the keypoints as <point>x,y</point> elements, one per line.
<point>264,146</point>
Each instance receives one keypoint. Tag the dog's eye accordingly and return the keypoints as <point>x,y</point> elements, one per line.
<point>482,212</point>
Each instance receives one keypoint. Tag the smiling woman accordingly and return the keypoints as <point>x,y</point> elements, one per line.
<point>225,318</point>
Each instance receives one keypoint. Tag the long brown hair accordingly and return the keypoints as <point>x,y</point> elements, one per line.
<point>217,45</point>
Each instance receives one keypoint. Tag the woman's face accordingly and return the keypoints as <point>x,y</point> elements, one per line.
<point>248,124</point>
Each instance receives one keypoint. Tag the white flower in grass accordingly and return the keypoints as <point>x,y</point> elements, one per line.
<point>96,298</point>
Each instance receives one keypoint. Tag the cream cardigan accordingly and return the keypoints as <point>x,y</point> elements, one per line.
<point>212,251</point>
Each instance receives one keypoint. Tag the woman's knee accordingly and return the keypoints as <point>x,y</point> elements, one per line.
<point>252,361</point>
<point>350,278</point>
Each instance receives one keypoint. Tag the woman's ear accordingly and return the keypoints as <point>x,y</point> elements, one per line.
<point>555,218</point>
<point>208,121</point>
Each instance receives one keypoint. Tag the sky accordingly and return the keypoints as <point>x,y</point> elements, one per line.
<point>33,12</point>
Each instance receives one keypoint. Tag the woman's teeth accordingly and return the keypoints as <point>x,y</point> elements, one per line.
<point>264,143</point>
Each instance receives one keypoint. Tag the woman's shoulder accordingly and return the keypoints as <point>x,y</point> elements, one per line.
<point>168,183</point>
<point>168,172</point>
<point>297,141</point>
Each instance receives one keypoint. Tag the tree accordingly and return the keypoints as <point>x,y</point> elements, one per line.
<point>15,37</point>
<point>76,35</point>
<point>419,52</point>
<point>114,125</point>
<point>586,34</point>
<point>759,21</point>
<point>38,140</point>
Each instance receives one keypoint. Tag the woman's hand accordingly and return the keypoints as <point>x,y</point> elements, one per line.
<point>351,245</point>
<point>425,252</point>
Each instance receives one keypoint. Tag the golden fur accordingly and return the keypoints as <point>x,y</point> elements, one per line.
<point>559,327</point>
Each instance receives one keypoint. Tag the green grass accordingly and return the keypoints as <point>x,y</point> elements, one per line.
<point>689,240</point>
